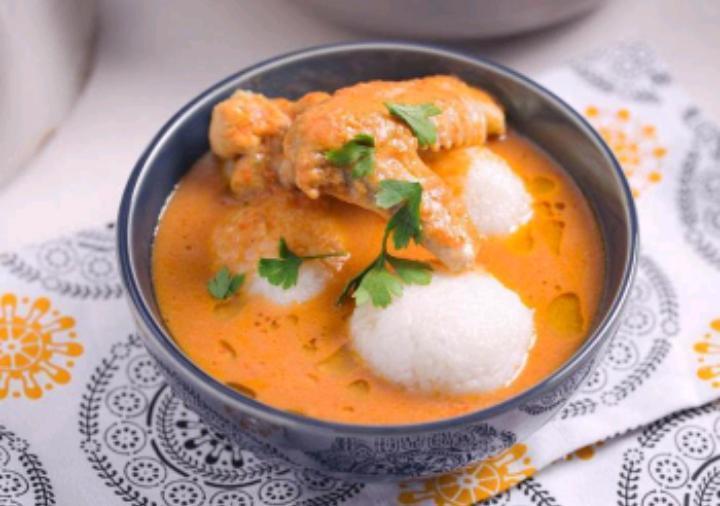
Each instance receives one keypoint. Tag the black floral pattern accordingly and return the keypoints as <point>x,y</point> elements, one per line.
<point>699,190</point>
<point>151,449</point>
<point>557,396</point>
<point>23,479</point>
<point>649,324</point>
<point>529,492</point>
<point>81,266</point>
<point>409,456</point>
<point>674,461</point>
<point>630,70</point>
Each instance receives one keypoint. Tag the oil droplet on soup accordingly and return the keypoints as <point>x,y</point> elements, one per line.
<point>552,233</point>
<point>565,315</point>
<point>540,185</point>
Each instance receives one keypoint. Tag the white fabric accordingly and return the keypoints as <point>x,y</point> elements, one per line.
<point>105,429</point>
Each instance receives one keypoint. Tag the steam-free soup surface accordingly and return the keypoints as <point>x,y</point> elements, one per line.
<point>298,357</point>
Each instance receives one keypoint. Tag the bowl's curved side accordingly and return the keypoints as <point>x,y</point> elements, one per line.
<point>376,452</point>
<point>390,455</point>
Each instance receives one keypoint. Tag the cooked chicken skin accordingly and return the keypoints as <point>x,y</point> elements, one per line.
<point>468,116</point>
<point>319,122</point>
<point>245,122</point>
<point>247,131</point>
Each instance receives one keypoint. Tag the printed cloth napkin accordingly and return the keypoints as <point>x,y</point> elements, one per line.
<point>86,418</point>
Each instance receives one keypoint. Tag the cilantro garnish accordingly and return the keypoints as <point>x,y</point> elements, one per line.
<point>358,153</point>
<point>377,283</point>
<point>378,286</point>
<point>405,223</point>
<point>412,272</point>
<point>224,284</point>
<point>284,271</point>
<point>417,118</point>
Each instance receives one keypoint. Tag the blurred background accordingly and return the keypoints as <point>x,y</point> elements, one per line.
<point>85,84</point>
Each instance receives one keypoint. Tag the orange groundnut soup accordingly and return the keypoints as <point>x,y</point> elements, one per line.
<point>299,357</point>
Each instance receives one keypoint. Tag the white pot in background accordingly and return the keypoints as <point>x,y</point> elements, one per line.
<point>45,50</point>
<point>447,19</point>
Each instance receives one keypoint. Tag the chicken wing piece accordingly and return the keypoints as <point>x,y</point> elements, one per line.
<point>468,116</point>
<point>249,122</point>
<point>245,122</point>
<point>247,130</point>
<point>266,140</point>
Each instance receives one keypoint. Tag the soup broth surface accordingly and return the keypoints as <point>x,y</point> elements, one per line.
<point>299,357</point>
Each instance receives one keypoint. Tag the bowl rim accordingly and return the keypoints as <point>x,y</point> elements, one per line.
<point>272,414</point>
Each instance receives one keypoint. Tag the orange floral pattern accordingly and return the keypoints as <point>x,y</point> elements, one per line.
<point>708,351</point>
<point>635,143</point>
<point>472,484</point>
<point>586,452</point>
<point>37,347</point>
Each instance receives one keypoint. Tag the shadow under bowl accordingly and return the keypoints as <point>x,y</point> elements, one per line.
<point>376,452</point>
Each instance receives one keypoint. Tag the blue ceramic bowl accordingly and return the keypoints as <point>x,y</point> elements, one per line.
<point>362,451</point>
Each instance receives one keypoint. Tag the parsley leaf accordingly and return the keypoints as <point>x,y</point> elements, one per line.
<point>417,118</point>
<point>405,226</point>
<point>379,286</point>
<point>284,271</point>
<point>411,272</point>
<point>223,285</point>
<point>393,192</point>
<point>358,153</point>
<point>352,285</point>
<point>383,279</point>
<point>405,223</point>
<point>281,271</point>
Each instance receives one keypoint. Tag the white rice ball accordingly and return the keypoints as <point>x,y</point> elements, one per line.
<point>312,278</point>
<point>459,334</point>
<point>494,195</point>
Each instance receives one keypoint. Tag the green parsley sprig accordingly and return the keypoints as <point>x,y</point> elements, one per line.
<point>417,118</point>
<point>405,223</point>
<point>284,271</point>
<point>224,285</point>
<point>377,283</point>
<point>358,153</point>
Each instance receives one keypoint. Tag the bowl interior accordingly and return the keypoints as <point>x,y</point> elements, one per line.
<point>531,110</point>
